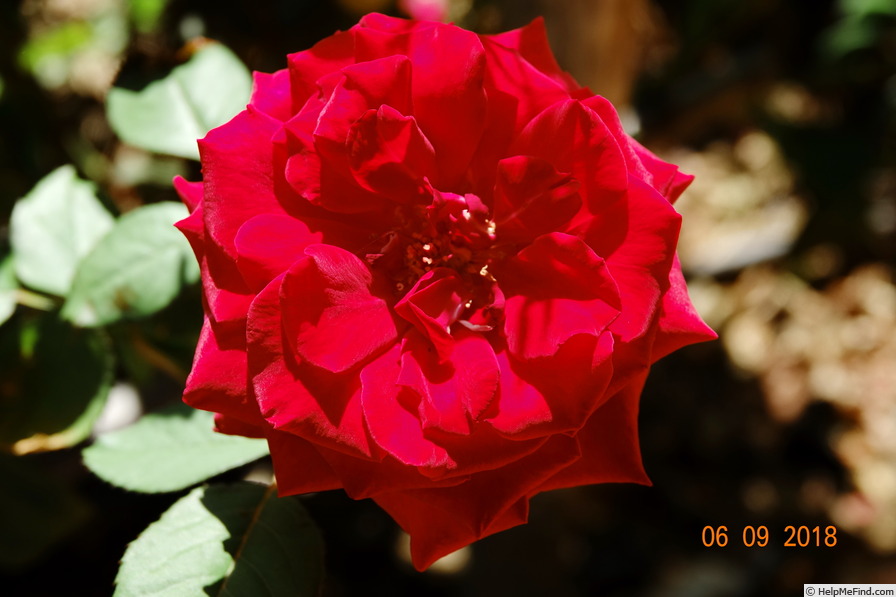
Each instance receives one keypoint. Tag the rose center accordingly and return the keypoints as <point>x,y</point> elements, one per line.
<point>455,232</point>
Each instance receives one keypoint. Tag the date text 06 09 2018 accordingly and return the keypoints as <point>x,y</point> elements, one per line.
<point>759,536</point>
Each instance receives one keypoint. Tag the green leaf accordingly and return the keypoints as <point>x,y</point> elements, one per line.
<point>135,270</point>
<point>53,227</point>
<point>169,451</point>
<point>225,540</point>
<point>8,288</point>
<point>55,382</point>
<point>170,114</point>
<point>36,511</point>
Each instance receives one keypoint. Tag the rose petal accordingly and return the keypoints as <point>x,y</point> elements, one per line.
<point>391,416</point>
<point>638,238</point>
<point>679,324</point>
<point>640,162</point>
<point>268,244</point>
<point>609,445</point>
<point>287,391</point>
<point>271,94</point>
<point>190,192</point>
<point>443,520</point>
<point>330,314</point>
<point>532,198</point>
<point>533,89</point>
<point>298,466</point>
<point>454,393</point>
<point>233,426</point>
<point>326,56</point>
<point>219,381</point>
<point>237,171</point>
<point>389,155</point>
<point>366,85</point>
<point>439,87</point>
<point>574,139</point>
<point>364,479</point>
<point>531,42</point>
<point>554,289</point>
<point>433,304</point>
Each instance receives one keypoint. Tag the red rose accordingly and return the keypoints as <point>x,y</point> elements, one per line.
<point>436,272</point>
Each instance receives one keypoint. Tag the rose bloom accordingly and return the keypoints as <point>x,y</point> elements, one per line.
<point>436,272</point>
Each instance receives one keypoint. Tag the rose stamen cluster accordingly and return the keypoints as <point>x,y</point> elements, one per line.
<point>436,272</point>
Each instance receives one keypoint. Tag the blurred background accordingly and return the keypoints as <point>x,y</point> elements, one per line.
<point>785,110</point>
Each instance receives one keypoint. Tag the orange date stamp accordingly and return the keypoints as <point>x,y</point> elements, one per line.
<point>759,536</point>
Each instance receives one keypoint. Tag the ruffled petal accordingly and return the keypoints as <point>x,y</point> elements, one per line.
<point>433,304</point>
<point>298,466</point>
<point>554,289</point>
<point>330,316</point>
<point>609,445</point>
<point>638,239</point>
<point>574,139</point>
<point>219,381</point>
<point>551,395</point>
<point>531,42</point>
<point>271,94</point>
<point>443,520</point>
<point>532,198</point>
<point>326,56</point>
<point>532,89</point>
<point>287,390</point>
<point>640,162</point>
<point>268,244</point>
<point>390,155</point>
<point>679,323</point>
<point>439,87</point>
<point>237,171</point>
<point>452,394</point>
<point>391,415</point>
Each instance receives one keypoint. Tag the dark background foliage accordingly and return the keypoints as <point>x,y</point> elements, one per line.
<point>730,435</point>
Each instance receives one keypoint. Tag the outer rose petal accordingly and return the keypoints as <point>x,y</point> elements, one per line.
<point>679,324</point>
<point>639,253</point>
<point>218,381</point>
<point>271,94</point>
<point>232,426</point>
<point>662,176</point>
<point>305,68</point>
<point>190,192</point>
<point>298,465</point>
<point>238,175</point>
<point>532,90</point>
<point>443,520</point>
<point>609,445</point>
<point>531,41</point>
